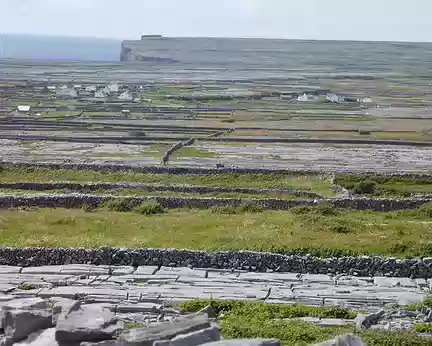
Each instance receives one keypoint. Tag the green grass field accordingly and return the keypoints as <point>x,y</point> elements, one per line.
<point>319,231</point>
<point>313,183</point>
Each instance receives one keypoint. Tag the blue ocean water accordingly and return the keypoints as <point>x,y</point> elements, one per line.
<point>59,48</point>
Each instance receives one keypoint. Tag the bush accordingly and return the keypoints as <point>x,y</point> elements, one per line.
<point>386,338</point>
<point>425,210</point>
<point>271,311</point>
<point>423,328</point>
<point>224,209</point>
<point>150,207</point>
<point>339,229</point>
<point>364,187</point>
<point>119,205</point>
<point>321,209</point>
<point>87,208</point>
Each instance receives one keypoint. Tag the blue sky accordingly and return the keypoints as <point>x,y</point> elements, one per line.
<point>387,20</point>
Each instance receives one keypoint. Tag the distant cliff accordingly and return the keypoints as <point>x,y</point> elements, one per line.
<point>151,48</point>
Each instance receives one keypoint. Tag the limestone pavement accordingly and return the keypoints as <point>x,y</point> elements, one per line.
<point>128,289</point>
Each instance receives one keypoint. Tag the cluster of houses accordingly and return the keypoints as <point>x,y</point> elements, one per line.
<point>112,90</point>
<point>333,98</point>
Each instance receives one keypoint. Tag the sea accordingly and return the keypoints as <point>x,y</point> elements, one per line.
<point>59,48</point>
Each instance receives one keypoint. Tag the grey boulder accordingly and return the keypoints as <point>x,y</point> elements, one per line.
<point>164,331</point>
<point>19,324</point>
<point>196,338</point>
<point>42,338</point>
<point>87,323</point>
<point>366,321</point>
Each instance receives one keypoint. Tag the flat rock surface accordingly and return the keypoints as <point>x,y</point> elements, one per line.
<point>146,290</point>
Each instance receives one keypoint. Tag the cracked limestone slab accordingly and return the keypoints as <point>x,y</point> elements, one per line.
<point>180,271</point>
<point>394,282</point>
<point>273,278</point>
<point>10,269</point>
<point>145,270</point>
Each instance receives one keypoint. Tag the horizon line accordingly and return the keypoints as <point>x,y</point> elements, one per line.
<point>212,37</point>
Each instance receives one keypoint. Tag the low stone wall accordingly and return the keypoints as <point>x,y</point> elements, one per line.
<point>168,153</point>
<point>339,188</point>
<point>239,260</point>
<point>109,139</point>
<point>88,187</point>
<point>176,147</point>
<point>170,202</point>
<point>193,170</point>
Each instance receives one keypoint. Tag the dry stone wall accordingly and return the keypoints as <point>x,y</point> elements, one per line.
<point>364,266</point>
<point>88,187</point>
<point>169,202</point>
<point>192,170</point>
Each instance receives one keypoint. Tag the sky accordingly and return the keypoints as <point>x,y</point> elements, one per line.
<point>375,20</point>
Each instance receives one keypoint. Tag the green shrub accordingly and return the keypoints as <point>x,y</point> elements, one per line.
<point>87,208</point>
<point>320,209</point>
<point>301,210</point>
<point>27,287</point>
<point>339,228</point>
<point>423,328</point>
<point>427,301</point>
<point>150,207</point>
<point>119,205</point>
<point>271,311</point>
<point>425,210</point>
<point>224,209</point>
<point>365,187</point>
<point>386,338</point>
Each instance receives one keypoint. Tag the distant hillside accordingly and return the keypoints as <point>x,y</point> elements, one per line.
<point>63,48</point>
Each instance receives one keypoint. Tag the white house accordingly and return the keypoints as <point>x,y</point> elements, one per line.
<point>125,96</point>
<point>91,88</point>
<point>106,90</point>
<point>24,109</point>
<point>77,86</point>
<point>63,87</point>
<point>113,87</point>
<point>67,93</point>
<point>306,97</point>
<point>334,98</point>
<point>100,94</point>
<point>367,100</point>
<point>51,87</point>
